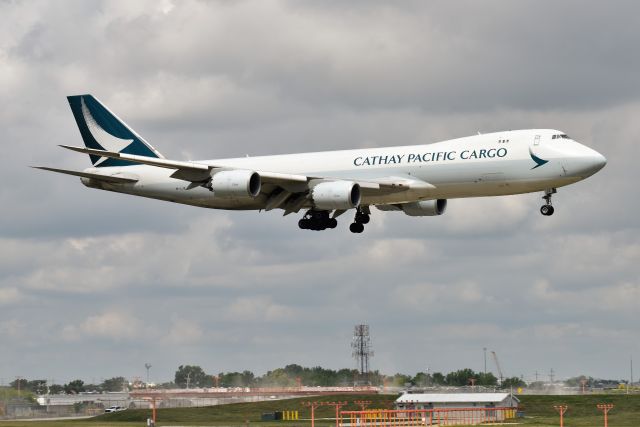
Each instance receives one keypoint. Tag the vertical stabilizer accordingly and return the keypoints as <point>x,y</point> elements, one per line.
<point>103,130</point>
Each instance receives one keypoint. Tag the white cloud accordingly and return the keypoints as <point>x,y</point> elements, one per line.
<point>217,79</point>
<point>183,331</point>
<point>115,325</point>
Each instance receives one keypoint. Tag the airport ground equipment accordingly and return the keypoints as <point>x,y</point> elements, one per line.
<point>495,359</point>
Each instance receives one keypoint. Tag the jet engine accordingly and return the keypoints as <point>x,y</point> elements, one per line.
<point>236,184</point>
<point>422,208</point>
<point>336,195</point>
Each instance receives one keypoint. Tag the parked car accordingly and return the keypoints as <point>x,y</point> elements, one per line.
<point>114,408</point>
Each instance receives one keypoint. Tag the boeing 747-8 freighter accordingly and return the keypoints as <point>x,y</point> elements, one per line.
<point>416,180</point>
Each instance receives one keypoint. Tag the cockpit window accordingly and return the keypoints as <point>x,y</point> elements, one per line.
<point>560,135</point>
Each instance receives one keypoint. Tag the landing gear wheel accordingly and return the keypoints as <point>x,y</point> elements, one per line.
<point>547,210</point>
<point>332,223</point>
<point>356,227</point>
<point>303,224</point>
<point>362,218</point>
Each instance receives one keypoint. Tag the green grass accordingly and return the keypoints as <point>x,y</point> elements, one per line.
<point>239,413</point>
<point>538,409</point>
<point>582,410</point>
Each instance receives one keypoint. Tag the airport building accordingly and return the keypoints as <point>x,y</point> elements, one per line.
<point>456,400</point>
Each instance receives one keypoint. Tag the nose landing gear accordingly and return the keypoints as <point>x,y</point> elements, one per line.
<point>362,217</point>
<point>547,208</point>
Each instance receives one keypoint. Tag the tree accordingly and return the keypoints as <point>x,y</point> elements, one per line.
<point>114,384</point>
<point>19,384</point>
<point>56,389</point>
<point>277,378</point>
<point>460,377</point>
<point>513,382</point>
<point>37,386</point>
<point>74,387</point>
<point>236,379</point>
<point>439,378</point>
<point>400,380</point>
<point>193,375</point>
<point>487,379</point>
<point>577,381</point>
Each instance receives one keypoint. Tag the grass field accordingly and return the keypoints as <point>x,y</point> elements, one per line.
<point>538,409</point>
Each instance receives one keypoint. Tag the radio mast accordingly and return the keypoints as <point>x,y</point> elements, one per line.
<point>361,346</point>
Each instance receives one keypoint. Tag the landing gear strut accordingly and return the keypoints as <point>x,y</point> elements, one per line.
<point>362,217</point>
<point>547,208</point>
<point>317,220</point>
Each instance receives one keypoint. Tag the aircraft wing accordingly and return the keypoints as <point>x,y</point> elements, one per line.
<point>199,172</point>
<point>283,186</point>
<point>188,171</point>
<point>106,178</point>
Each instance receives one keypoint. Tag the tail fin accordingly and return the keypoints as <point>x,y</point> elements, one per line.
<point>103,130</point>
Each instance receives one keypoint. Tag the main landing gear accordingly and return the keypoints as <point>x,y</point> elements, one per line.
<point>317,220</point>
<point>547,208</point>
<point>362,218</point>
<point>321,220</point>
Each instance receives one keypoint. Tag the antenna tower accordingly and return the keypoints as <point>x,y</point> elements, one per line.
<point>361,345</point>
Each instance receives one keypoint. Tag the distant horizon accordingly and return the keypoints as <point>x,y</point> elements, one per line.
<point>542,378</point>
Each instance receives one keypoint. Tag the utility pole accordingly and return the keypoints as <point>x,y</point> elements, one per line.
<point>484,349</point>
<point>551,375</point>
<point>188,379</point>
<point>18,380</point>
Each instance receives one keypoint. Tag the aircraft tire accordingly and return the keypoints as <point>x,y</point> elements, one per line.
<point>547,210</point>
<point>356,227</point>
<point>332,223</point>
<point>363,218</point>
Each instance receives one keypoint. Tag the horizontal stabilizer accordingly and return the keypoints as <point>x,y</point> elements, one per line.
<point>152,161</point>
<point>99,177</point>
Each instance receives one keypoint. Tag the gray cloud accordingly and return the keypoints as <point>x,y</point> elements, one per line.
<point>95,284</point>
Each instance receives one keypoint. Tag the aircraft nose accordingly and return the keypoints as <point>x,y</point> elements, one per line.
<point>588,163</point>
<point>598,161</point>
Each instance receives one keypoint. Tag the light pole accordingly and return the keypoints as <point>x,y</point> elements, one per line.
<point>484,349</point>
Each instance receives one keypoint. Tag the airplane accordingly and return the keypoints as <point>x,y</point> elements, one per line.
<point>415,180</point>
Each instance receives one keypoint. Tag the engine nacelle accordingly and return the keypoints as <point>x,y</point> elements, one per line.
<point>425,207</point>
<point>236,184</point>
<point>336,195</point>
<point>422,208</point>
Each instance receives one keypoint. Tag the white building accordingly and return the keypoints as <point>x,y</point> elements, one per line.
<point>458,408</point>
<point>456,400</point>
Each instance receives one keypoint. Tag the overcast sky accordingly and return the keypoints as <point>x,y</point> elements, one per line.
<point>94,284</point>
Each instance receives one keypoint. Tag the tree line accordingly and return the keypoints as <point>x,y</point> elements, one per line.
<point>291,375</point>
<point>193,376</point>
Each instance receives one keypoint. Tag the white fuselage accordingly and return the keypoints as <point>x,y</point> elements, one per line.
<point>494,164</point>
